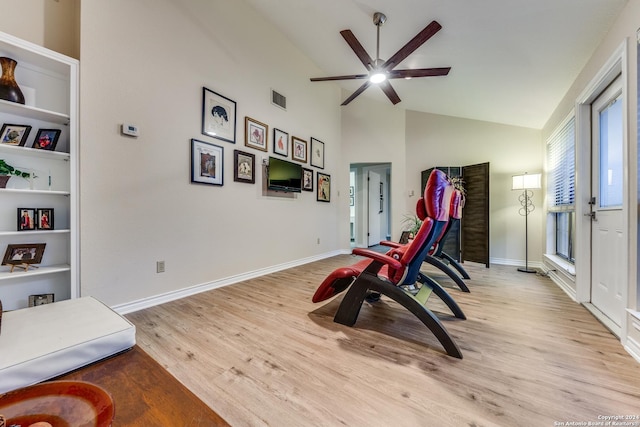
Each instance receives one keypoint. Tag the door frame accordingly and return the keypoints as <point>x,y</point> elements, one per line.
<point>615,65</point>
<point>361,200</point>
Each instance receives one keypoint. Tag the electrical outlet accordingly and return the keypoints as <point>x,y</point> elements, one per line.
<point>160,267</point>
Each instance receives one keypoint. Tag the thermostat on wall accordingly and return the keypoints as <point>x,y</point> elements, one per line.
<point>129,130</point>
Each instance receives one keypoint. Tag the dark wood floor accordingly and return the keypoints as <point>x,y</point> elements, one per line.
<point>260,353</point>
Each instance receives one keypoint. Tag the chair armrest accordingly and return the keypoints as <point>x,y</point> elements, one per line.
<point>376,256</point>
<point>391,244</point>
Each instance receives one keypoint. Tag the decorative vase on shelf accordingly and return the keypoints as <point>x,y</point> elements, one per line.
<point>3,180</point>
<point>9,88</point>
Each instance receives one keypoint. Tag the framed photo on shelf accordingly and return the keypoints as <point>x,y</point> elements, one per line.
<point>14,134</point>
<point>206,163</point>
<point>280,142</point>
<point>46,139</point>
<point>299,149</point>
<point>218,116</point>
<point>244,166</point>
<point>256,134</point>
<point>23,253</point>
<point>26,219</point>
<point>307,179</point>
<point>35,300</point>
<point>317,153</point>
<point>44,219</point>
<point>324,187</point>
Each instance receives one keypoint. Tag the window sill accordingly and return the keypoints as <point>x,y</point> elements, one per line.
<point>561,265</point>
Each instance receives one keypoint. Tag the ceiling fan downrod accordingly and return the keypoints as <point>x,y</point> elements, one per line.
<point>379,19</point>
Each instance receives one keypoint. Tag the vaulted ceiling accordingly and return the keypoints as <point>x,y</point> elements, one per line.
<point>511,61</point>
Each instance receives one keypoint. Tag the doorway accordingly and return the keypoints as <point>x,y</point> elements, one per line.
<point>370,202</point>
<point>602,202</point>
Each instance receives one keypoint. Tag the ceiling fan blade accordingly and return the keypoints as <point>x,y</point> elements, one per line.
<point>349,77</point>
<point>418,72</point>
<point>355,45</point>
<point>390,92</point>
<point>356,93</point>
<point>412,45</point>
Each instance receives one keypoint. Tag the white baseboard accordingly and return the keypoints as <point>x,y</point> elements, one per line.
<point>141,304</point>
<point>515,262</point>
<point>633,348</point>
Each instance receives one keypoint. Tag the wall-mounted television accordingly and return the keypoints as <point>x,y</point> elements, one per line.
<point>284,176</point>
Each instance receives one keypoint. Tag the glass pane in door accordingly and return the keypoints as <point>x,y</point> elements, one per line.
<point>611,155</point>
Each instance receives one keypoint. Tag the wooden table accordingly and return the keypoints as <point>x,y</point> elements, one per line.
<point>145,394</point>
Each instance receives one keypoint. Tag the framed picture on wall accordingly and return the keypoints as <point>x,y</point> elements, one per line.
<point>14,134</point>
<point>218,116</point>
<point>299,149</point>
<point>244,166</point>
<point>324,187</point>
<point>280,142</point>
<point>317,153</point>
<point>307,179</point>
<point>206,163</point>
<point>256,134</point>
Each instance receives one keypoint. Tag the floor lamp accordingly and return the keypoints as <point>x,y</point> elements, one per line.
<point>526,183</point>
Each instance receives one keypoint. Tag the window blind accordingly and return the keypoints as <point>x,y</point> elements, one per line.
<point>561,161</point>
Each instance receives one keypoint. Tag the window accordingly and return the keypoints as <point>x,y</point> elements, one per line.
<point>561,187</point>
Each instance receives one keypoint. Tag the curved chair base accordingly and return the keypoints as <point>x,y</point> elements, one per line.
<point>349,309</point>
<point>455,264</point>
<point>442,294</point>
<point>445,269</point>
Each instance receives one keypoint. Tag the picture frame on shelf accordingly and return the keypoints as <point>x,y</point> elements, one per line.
<point>41,299</point>
<point>244,166</point>
<point>298,149</point>
<point>218,116</point>
<point>256,134</point>
<point>280,142</point>
<point>317,153</point>
<point>307,179</point>
<point>206,163</point>
<point>15,135</point>
<point>23,255</point>
<point>26,219</point>
<point>324,187</point>
<point>46,139</point>
<point>44,219</point>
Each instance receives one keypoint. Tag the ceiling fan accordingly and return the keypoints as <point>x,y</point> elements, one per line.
<point>380,71</point>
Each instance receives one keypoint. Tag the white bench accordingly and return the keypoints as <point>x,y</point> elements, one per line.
<point>42,342</point>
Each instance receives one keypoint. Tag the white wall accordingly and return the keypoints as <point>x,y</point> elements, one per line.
<point>52,24</point>
<point>147,67</point>
<point>434,140</point>
<point>374,132</point>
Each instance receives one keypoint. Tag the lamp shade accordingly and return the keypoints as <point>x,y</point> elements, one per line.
<point>526,181</point>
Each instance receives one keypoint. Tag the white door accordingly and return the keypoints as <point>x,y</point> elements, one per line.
<point>608,237</point>
<point>375,214</point>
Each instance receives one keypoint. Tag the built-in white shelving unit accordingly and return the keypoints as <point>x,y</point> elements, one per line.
<point>50,83</point>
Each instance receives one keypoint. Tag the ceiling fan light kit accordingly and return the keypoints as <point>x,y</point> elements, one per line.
<point>379,71</point>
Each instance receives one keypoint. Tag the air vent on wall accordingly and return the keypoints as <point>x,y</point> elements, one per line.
<point>278,99</point>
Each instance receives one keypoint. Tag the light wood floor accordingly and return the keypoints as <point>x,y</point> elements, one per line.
<point>260,353</point>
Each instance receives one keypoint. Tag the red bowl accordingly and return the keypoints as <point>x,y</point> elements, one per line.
<point>60,403</point>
